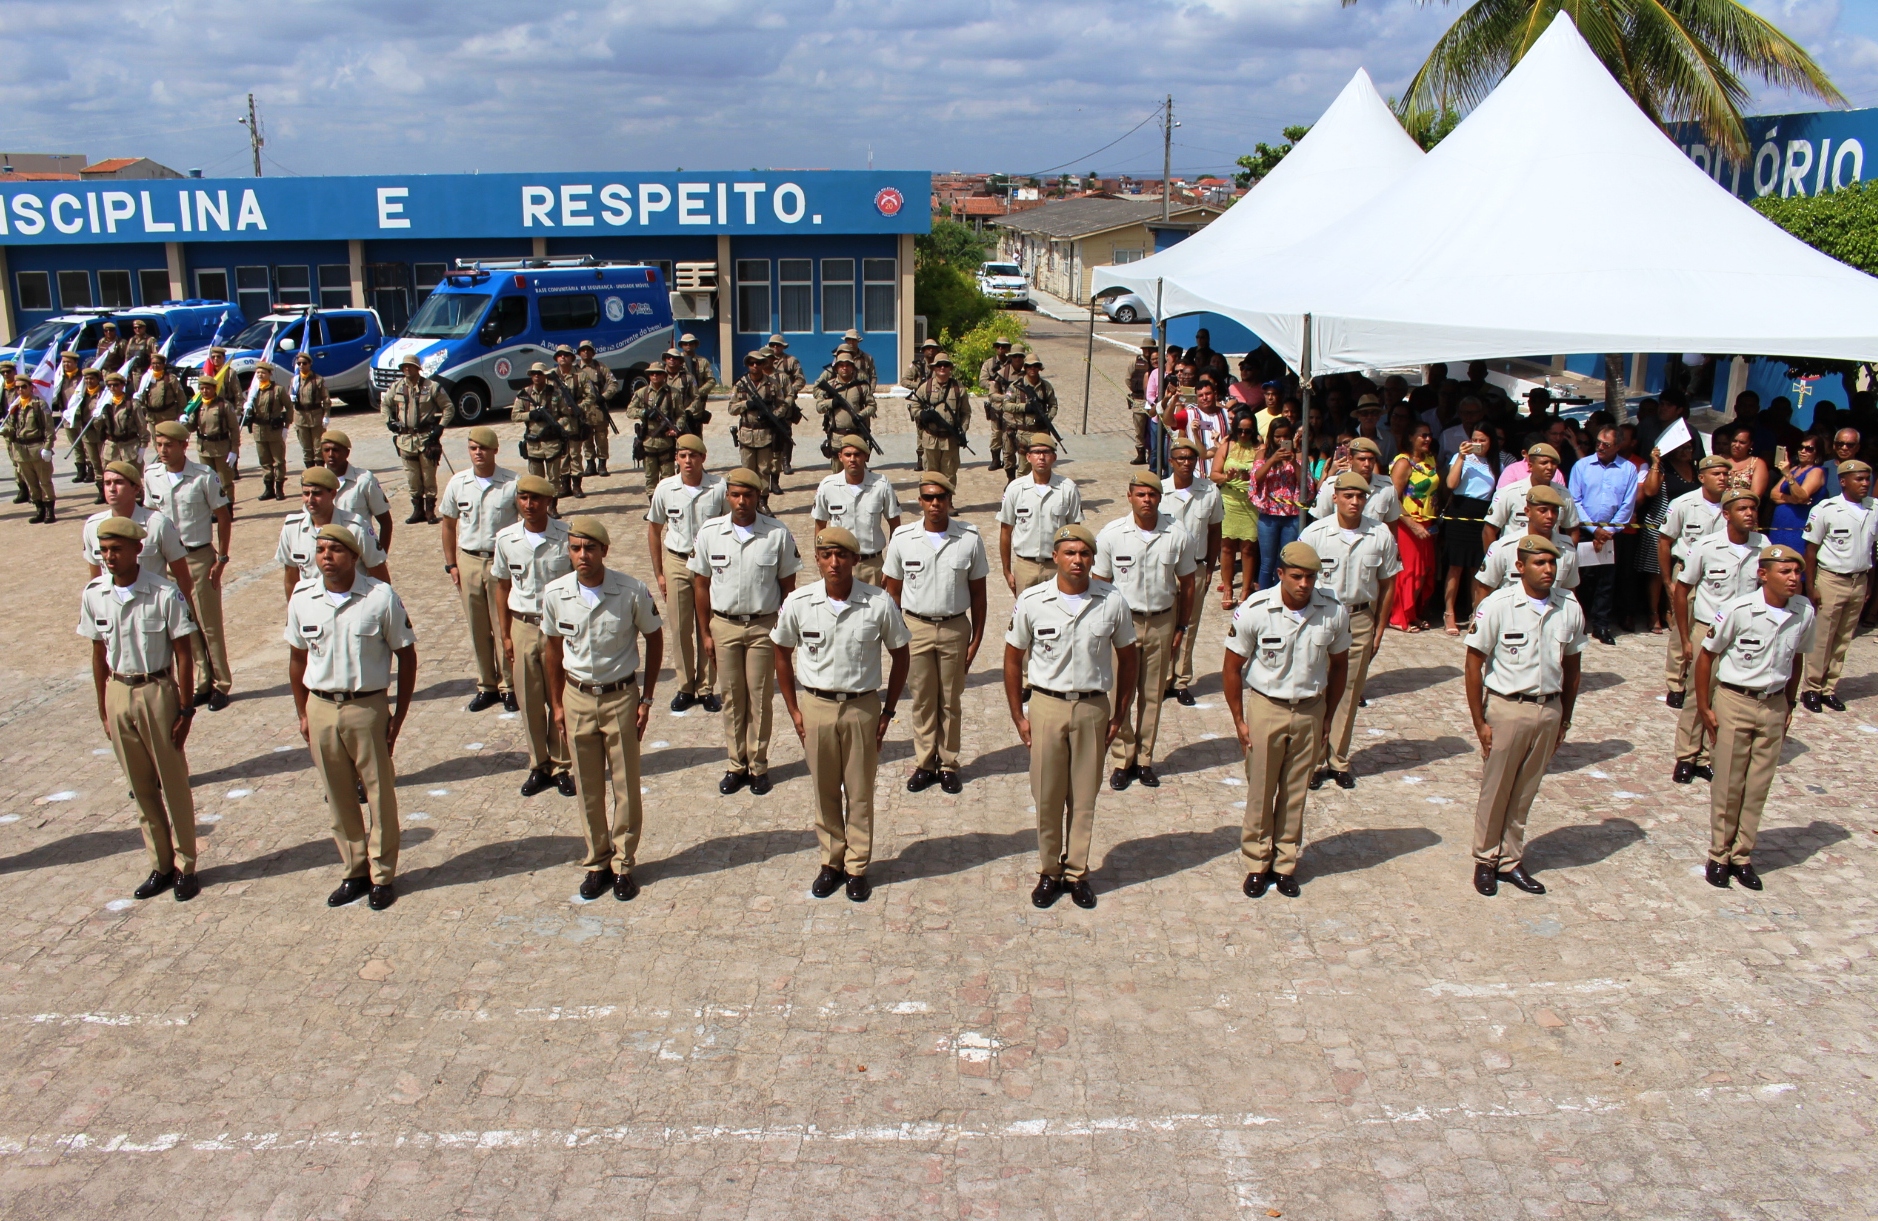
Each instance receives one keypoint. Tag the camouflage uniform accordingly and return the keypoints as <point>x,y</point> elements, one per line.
<point>1138,402</point>
<point>938,447</point>
<point>841,404</point>
<point>787,371</point>
<point>417,415</point>
<point>656,412</point>
<point>757,445</point>
<point>863,363</point>
<point>544,442</point>
<point>601,387</point>
<point>575,409</point>
<point>993,382</point>
<point>1026,407</point>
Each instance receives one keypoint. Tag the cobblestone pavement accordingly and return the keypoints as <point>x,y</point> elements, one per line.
<point>1634,1043</point>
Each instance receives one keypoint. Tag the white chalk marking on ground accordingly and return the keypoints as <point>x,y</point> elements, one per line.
<point>1868,728</point>
<point>1583,987</point>
<point>507,716</point>
<point>118,905</point>
<point>9,817</point>
<point>472,746</point>
<point>1597,775</point>
<point>909,1007</point>
<point>102,750</point>
<point>202,818</point>
<point>1627,795</point>
<point>417,816</point>
<point>1441,801</point>
<point>238,794</point>
<point>438,792</point>
<point>1231,780</point>
<point>1414,779</point>
<point>97,1019</point>
<point>61,795</point>
<point>659,745</point>
<point>281,750</point>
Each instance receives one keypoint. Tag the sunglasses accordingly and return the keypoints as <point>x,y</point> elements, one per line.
<point>934,496</point>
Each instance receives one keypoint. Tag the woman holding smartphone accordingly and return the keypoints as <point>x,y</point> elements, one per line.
<point>1279,491</point>
<point>1798,488</point>
<point>1472,476</point>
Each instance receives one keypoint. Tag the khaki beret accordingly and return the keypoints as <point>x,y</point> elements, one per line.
<point>1043,439</point>
<point>941,359</point>
<point>1141,479</point>
<point>332,436</point>
<point>1073,533</point>
<point>1541,450</point>
<point>129,470</point>
<point>1714,462</point>
<point>1734,494</point>
<point>934,477</point>
<point>120,527</point>
<point>835,536</point>
<point>339,534</point>
<point>1186,443</point>
<point>319,477</point>
<point>1775,554</point>
<point>540,368</point>
<point>744,477</point>
<point>588,526</point>
<point>94,371</point>
<point>172,429</point>
<point>1300,555</point>
<point>1545,494</point>
<point>1530,544</point>
<point>534,485</point>
<point>1350,481</point>
<point>691,441</point>
<point>114,376</point>
<point>486,437</point>
<point>1854,467</point>
<point>852,441</point>
<point>1363,445</point>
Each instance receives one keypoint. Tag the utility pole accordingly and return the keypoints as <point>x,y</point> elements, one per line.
<point>1167,152</point>
<point>255,138</point>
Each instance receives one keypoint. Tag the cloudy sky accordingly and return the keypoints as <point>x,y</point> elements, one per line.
<point>349,86</point>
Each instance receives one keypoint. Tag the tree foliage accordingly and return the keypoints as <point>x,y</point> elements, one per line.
<point>949,298</point>
<point>1426,127</point>
<point>1263,158</point>
<point>1843,224</point>
<point>953,243</point>
<point>970,349</point>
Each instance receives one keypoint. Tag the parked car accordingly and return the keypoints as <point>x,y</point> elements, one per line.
<point>178,325</point>
<point>1004,283</point>
<point>341,342</point>
<point>1126,307</point>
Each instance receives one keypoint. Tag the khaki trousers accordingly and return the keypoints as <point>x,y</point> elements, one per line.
<point>843,757</point>
<point>420,475</point>
<point>1010,445</point>
<point>124,451</point>
<point>746,671</point>
<point>1066,746</point>
<point>208,608</point>
<point>659,464</point>
<point>766,462</point>
<point>1285,737</point>
<point>697,672</point>
<point>940,454</point>
<point>1027,573</point>
<point>1524,736</point>
<point>214,455</point>
<point>1336,751</point>
<point>868,568</point>
<point>547,749</point>
<point>1141,724</point>
<point>1183,664</point>
<point>1748,736</point>
<point>935,680</point>
<point>1678,660</point>
<point>1840,598</point>
<point>349,749</point>
<point>91,449</point>
<point>308,435</point>
<point>1692,739</point>
<point>270,452</point>
<point>485,621</point>
<point>603,737</point>
<point>37,472</point>
<point>139,719</point>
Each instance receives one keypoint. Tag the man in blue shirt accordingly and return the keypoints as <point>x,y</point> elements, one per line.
<point>1604,486</point>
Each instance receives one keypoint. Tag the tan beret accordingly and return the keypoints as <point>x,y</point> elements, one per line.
<point>1541,450</point>
<point>1043,439</point>
<point>587,526</point>
<point>1142,479</point>
<point>691,441</point>
<point>1186,443</point>
<point>94,371</point>
<point>1363,445</point>
<point>332,436</point>
<point>1531,544</point>
<point>114,376</point>
<point>1545,494</point>
<point>1300,555</point>
<point>534,485</point>
<point>129,470</point>
<point>1853,467</point>
<point>1350,481</point>
<point>1075,532</point>
<point>744,477</point>
<point>835,536</point>
<point>485,437</point>
<point>935,478</point>
<point>319,477</point>
<point>173,430</point>
<point>1769,555</point>
<point>853,441</point>
<point>339,534</point>
<point>1739,493</point>
<point>1715,462</point>
<point>120,527</point>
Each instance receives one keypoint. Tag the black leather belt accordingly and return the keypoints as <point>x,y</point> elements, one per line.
<point>1528,699</point>
<point>836,697</point>
<point>1293,704</point>
<point>1031,559</point>
<point>872,555</point>
<point>683,555</point>
<point>1068,697</point>
<point>1358,606</point>
<point>936,618</point>
<point>481,555</point>
<point>532,620</point>
<point>140,680</point>
<point>603,688</point>
<point>743,620</point>
<point>1751,693</point>
<point>344,697</point>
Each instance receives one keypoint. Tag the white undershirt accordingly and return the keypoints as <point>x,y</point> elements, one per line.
<point>485,481</point>
<point>937,540</point>
<point>1185,493</point>
<point>1073,601</point>
<point>534,540</point>
<point>176,477</point>
<point>1740,549</point>
<point>1855,506</point>
<point>339,597</point>
<point>1350,536</point>
<point>588,594</point>
<point>124,593</point>
<point>838,604</point>
<point>689,491</point>
<point>1780,613</point>
<point>744,533</point>
<point>1147,536</point>
<point>1540,604</point>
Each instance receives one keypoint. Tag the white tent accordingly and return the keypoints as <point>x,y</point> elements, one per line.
<point>1556,218</point>
<point>1355,150</point>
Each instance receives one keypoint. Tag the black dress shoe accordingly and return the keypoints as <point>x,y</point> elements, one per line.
<point>1833,702</point>
<point>509,702</point>
<point>711,701</point>
<point>1718,873</point>
<point>1168,694</point>
<point>217,700</point>
<point>1684,773</point>
<point>350,890</point>
<point>1517,876</point>
<point>565,782</point>
<point>1675,698</point>
<point>624,888</point>
<point>1146,776</point>
<point>1256,885</point>
<point>1048,890</point>
<point>483,700</point>
<point>596,883</point>
<point>1318,777</point>
<point>1286,884</point>
<point>383,896</point>
<point>1810,701</point>
<point>951,782</point>
<point>1606,636</point>
<point>732,781</point>
<point>859,888</point>
<point>188,888</point>
<point>1185,698</point>
<point>1486,880</point>
<point>921,780</point>
<point>155,885</point>
<point>1082,894</point>
<point>1345,780</point>
<point>536,781</point>
<point>1745,873</point>
<point>1119,778</point>
<point>759,784</point>
<point>827,882</point>
<point>1702,771</point>
<point>683,700</point>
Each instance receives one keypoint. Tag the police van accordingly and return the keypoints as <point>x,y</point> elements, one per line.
<point>340,341</point>
<point>182,325</point>
<point>480,330</point>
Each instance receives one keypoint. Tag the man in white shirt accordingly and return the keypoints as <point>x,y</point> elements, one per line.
<point>475,504</point>
<point>858,500</point>
<point>680,504</point>
<point>1840,537</point>
<point>1197,505</point>
<point>1148,557</point>
<point>531,553</point>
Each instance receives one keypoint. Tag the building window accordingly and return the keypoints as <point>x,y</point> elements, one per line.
<point>154,285</point>
<point>879,294</point>
<point>335,286</point>
<point>293,286</point>
<point>212,284</point>
<point>1127,256</point>
<point>753,316</point>
<point>35,289</point>
<point>795,281</point>
<point>254,292</point>
<point>428,276</point>
<point>114,290</point>
<point>74,289</point>
<point>837,294</point>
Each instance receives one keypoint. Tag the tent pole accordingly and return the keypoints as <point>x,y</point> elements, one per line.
<point>1088,367</point>
<point>1304,411</point>
<point>1160,355</point>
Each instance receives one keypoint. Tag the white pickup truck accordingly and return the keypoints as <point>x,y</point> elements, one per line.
<point>1004,283</point>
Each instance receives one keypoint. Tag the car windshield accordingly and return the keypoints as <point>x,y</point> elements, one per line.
<point>1002,269</point>
<point>447,316</point>
<point>256,336</point>
<point>44,335</point>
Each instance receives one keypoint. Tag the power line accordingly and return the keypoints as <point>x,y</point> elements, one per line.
<point>1111,144</point>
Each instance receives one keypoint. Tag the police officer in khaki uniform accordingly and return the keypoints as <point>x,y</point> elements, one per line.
<point>1366,460</point>
<point>133,620</point>
<point>1545,507</point>
<point>120,423</point>
<point>759,437</point>
<point>1079,639</point>
<point>1031,513</point>
<point>163,552</point>
<point>846,404</point>
<point>828,638</point>
<point>941,412</point>
<point>417,410</point>
<point>1523,657</point>
<point>1290,644</point>
<point>680,504</point>
<point>858,500</point>
<point>593,618</point>
<point>359,489</point>
<point>267,415</point>
<point>655,410</point>
<point>86,429</point>
<point>1506,516</point>
<point>601,387</point>
<point>703,377</point>
<point>476,503</point>
<point>1148,557</point>
<point>1138,405</point>
<point>312,403</point>
<point>1690,516</point>
<point>1198,506</point>
<point>530,553</point>
<point>743,565</point>
<point>544,442</point>
<point>1841,534</point>
<point>217,421</point>
<point>1716,569</point>
<point>109,357</point>
<point>935,569</point>
<point>1359,565</point>
<point>8,371</point>
<point>191,496</point>
<point>160,393</point>
<point>342,632</point>
<point>1029,405</point>
<point>29,430</point>
<point>298,550</point>
<point>994,382</point>
<point>1745,679</point>
<point>920,368</point>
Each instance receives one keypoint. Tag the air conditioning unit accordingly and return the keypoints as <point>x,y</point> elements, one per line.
<point>692,307</point>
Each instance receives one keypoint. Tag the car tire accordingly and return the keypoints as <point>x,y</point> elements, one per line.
<point>472,401</point>
<point>1125,313</point>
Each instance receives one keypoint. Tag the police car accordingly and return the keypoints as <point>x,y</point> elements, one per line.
<point>478,332</point>
<point>182,325</point>
<point>1004,283</point>
<point>341,342</point>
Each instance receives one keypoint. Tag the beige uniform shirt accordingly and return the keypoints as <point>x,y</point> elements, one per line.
<point>1525,646</point>
<point>1499,568</point>
<point>530,564</point>
<point>863,507</point>
<point>162,546</point>
<point>745,571</point>
<point>359,492</point>
<point>599,641</point>
<point>683,509</point>
<point>1287,653</point>
<point>348,644</point>
<point>1381,505</point>
<point>299,537</point>
<point>137,629</point>
<point>1756,645</point>
<point>935,575</point>
<point>1844,530</point>
<point>837,645</point>
<point>1691,515</point>
<point>1035,512</point>
<point>1197,507</point>
<point>1071,640</point>
<point>1719,572</point>
<point>1146,568</point>
<point>1356,562</point>
<point>1507,513</point>
<point>189,498</point>
<point>480,506</point>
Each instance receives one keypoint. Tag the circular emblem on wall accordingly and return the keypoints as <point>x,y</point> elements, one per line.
<point>888,201</point>
<point>503,367</point>
<point>615,309</point>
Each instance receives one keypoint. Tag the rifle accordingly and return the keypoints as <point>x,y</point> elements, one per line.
<point>644,427</point>
<point>1035,412</point>
<point>860,428</point>
<point>573,407</point>
<point>930,419</point>
<point>754,402</point>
